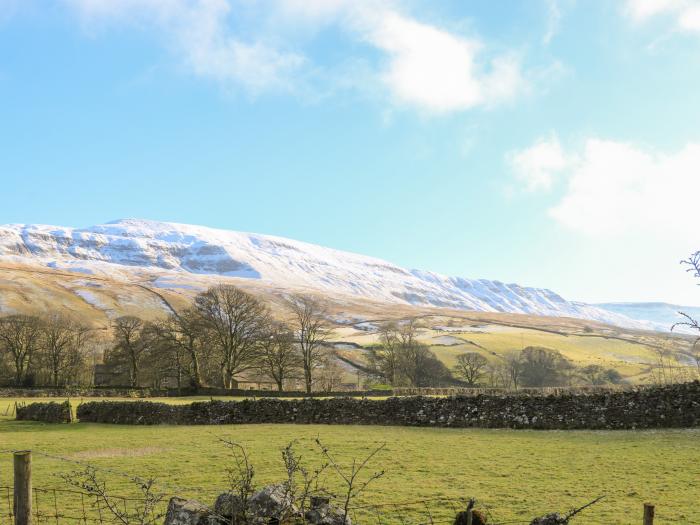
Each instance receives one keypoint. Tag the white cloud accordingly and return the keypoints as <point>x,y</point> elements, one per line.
<point>641,10</point>
<point>421,65</point>
<point>538,165</point>
<point>685,13</point>
<point>619,189</point>
<point>197,30</point>
<point>689,19</point>
<point>435,70</point>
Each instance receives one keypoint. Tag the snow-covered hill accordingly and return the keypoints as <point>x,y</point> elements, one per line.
<point>139,244</point>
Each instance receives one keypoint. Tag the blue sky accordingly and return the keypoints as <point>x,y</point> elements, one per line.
<point>549,143</point>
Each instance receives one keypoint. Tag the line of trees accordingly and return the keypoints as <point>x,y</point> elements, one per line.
<point>532,366</point>
<point>46,349</point>
<point>401,360</point>
<point>226,334</point>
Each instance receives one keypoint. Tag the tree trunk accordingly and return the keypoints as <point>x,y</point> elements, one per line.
<point>307,379</point>
<point>19,372</point>
<point>196,378</point>
<point>134,373</point>
<point>228,379</point>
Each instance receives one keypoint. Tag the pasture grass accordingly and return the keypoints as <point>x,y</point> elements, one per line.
<point>518,474</point>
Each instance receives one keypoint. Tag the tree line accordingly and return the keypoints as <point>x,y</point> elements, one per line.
<point>47,349</point>
<point>225,333</point>
<point>400,359</point>
<point>532,366</point>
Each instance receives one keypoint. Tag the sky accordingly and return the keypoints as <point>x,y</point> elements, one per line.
<point>552,143</point>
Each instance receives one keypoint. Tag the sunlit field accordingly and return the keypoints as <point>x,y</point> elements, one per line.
<point>515,474</point>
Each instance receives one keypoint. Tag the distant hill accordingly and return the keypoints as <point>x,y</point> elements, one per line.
<point>148,269</point>
<point>658,316</point>
<point>169,256</point>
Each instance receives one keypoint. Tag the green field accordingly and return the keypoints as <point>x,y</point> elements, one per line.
<point>517,474</point>
<point>632,358</point>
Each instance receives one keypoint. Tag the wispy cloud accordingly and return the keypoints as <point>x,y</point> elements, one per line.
<point>553,20</point>
<point>199,33</point>
<point>538,166</point>
<point>420,65</point>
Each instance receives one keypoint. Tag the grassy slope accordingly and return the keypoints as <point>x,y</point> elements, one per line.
<point>30,288</point>
<point>516,473</point>
<point>630,358</point>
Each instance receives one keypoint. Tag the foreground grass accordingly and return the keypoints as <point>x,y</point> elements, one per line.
<point>517,474</point>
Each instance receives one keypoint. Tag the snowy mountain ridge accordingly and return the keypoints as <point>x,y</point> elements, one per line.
<point>281,262</point>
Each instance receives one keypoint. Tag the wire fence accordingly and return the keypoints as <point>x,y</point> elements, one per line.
<point>57,506</point>
<point>65,506</point>
<point>79,503</point>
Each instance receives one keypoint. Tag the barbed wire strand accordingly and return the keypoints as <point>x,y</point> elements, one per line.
<point>180,491</point>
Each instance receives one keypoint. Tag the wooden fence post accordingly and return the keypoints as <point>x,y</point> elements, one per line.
<point>648,514</point>
<point>470,511</point>
<point>23,487</point>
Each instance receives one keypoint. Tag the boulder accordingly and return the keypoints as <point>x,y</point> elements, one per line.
<point>322,513</point>
<point>551,519</point>
<point>271,503</point>
<point>187,512</point>
<point>228,505</point>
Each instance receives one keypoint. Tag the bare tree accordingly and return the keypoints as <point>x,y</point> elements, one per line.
<point>543,367</point>
<point>164,358</point>
<point>693,267</point>
<point>311,330</point>
<point>63,342</point>
<point>130,344</point>
<point>351,476</point>
<point>280,357</point>
<point>513,369</point>
<point>401,359</point>
<point>662,368</point>
<point>144,507</point>
<point>241,478</point>
<point>20,339</point>
<point>330,374</point>
<point>235,322</point>
<point>384,359</point>
<point>421,367</point>
<point>301,481</point>
<point>470,367</point>
<point>185,335</point>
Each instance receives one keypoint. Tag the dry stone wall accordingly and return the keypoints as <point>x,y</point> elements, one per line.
<point>47,412</point>
<point>673,406</point>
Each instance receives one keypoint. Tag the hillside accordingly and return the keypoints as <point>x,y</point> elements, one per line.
<point>449,332</point>
<point>172,256</point>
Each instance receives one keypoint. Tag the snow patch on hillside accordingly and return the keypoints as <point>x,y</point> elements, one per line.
<point>285,263</point>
